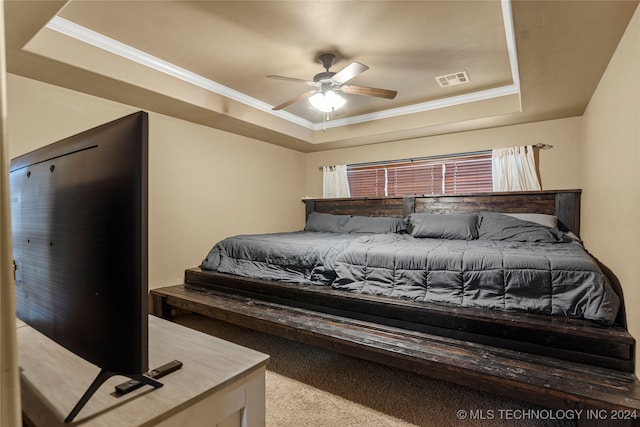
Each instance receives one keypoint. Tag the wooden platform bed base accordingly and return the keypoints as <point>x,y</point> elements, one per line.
<point>554,362</point>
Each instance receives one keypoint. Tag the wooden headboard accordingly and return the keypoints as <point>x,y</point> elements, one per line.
<point>565,204</point>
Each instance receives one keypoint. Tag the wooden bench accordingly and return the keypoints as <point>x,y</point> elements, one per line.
<point>543,380</point>
<point>569,339</point>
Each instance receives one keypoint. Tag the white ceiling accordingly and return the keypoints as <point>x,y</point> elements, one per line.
<point>206,61</point>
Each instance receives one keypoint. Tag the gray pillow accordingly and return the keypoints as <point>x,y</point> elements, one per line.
<point>373,224</point>
<point>318,221</point>
<point>542,219</point>
<point>443,226</point>
<point>495,226</point>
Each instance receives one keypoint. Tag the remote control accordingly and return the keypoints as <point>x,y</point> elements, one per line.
<point>159,372</point>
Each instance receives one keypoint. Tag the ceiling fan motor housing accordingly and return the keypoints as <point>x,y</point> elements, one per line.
<point>327,60</point>
<point>326,75</point>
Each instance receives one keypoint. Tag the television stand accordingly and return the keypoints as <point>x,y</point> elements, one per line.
<point>100,379</point>
<point>220,383</point>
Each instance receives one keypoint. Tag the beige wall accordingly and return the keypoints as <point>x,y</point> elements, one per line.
<point>559,166</point>
<point>610,178</point>
<point>204,184</point>
<point>40,114</point>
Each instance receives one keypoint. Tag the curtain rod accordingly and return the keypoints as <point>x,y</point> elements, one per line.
<point>540,146</point>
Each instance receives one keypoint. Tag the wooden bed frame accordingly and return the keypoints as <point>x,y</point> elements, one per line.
<point>555,362</point>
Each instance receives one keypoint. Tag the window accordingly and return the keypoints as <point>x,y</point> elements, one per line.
<point>463,173</point>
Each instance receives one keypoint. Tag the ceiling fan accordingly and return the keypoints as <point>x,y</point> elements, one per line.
<point>325,85</point>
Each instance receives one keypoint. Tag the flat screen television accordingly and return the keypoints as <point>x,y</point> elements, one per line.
<point>79,223</point>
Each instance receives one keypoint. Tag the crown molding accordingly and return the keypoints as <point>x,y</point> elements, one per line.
<point>115,47</point>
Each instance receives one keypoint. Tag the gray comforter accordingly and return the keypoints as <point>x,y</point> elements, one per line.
<point>304,257</point>
<point>559,279</point>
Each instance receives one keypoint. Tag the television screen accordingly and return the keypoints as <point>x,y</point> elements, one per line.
<point>79,219</point>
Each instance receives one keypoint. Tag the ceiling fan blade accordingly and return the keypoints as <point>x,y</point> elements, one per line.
<point>294,100</point>
<point>369,91</point>
<point>349,72</point>
<point>291,79</point>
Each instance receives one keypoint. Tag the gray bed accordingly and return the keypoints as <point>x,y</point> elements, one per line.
<point>511,297</point>
<point>485,260</point>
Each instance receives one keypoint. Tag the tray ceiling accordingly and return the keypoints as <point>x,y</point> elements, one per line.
<point>207,61</point>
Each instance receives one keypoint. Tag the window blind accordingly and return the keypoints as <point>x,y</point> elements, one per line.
<point>463,173</point>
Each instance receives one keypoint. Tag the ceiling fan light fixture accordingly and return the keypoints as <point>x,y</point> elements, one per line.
<point>327,102</point>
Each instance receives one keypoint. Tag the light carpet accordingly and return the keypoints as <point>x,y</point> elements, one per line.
<point>308,386</point>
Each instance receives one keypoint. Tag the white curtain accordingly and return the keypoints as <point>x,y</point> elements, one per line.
<point>335,182</point>
<point>514,169</point>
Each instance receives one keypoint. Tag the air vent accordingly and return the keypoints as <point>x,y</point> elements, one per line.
<point>453,79</point>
